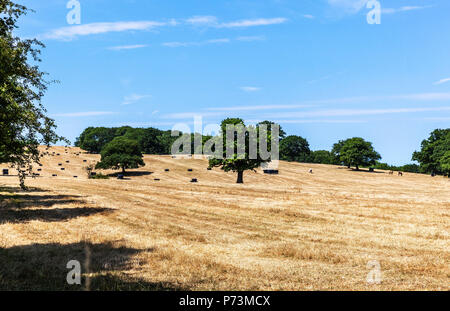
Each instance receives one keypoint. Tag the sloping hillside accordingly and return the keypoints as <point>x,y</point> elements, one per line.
<point>292,231</point>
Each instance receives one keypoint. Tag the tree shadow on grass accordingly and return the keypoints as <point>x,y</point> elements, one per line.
<point>18,208</point>
<point>362,170</point>
<point>19,190</point>
<point>44,267</point>
<point>132,174</point>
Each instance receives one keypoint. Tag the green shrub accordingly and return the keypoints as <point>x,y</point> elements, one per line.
<point>99,176</point>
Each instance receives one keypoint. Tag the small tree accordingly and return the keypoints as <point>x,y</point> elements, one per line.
<point>358,152</point>
<point>89,170</point>
<point>121,153</point>
<point>240,162</point>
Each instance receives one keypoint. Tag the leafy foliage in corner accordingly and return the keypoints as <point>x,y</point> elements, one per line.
<point>23,121</point>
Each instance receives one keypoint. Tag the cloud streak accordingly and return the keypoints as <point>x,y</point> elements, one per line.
<point>250,89</point>
<point>83,114</point>
<point>72,32</point>
<point>442,81</point>
<point>253,22</point>
<point>127,47</point>
<point>404,9</point>
<point>178,44</point>
<point>133,98</point>
<point>358,112</point>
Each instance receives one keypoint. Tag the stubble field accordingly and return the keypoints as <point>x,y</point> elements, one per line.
<point>293,231</point>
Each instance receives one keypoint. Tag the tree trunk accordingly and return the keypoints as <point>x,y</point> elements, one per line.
<point>123,170</point>
<point>240,177</point>
<point>357,167</point>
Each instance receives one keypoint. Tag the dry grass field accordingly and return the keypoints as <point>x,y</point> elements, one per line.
<point>294,231</point>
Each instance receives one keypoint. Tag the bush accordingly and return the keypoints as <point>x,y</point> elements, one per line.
<point>99,176</point>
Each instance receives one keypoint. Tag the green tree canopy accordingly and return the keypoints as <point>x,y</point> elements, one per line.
<point>294,148</point>
<point>445,163</point>
<point>281,132</point>
<point>150,140</point>
<point>358,152</point>
<point>23,121</point>
<point>237,162</point>
<point>322,157</point>
<point>432,151</point>
<point>121,153</point>
<point>93,139</point>
<point>336,152</point>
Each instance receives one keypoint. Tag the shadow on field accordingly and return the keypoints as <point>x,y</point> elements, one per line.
<point>132,174</point>
<point>44,267</point>
<point>361,170</point>
<point>19,190</point>
<point>18,208</point>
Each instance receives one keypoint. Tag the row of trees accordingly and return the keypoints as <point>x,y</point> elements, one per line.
<point>352,152</point>
<point>150,140</point>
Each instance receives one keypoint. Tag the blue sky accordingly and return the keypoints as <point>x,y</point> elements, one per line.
<point>315,66</point>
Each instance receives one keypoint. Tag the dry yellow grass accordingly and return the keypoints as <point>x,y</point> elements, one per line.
<point>294,231</point>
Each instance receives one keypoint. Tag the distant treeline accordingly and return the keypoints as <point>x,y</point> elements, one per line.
<point>150,140</point>
<point>434,156</point>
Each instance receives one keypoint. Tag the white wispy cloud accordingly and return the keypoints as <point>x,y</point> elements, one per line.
<point>438,119</point>
<point>308,16</point>
<point>202,20</point>
<point>133,98</point>
<point>83,114</point>
<point>442,81</point>
<point>421,96</point>
<point>354,6</point>
<point>350,6</point>
<point>127,47</point>
<point>403,9</point>
<point>213,21</point>
<point>224,40</point>
<point>358,112</point>
<point>250,88</point>
<point>258,108</point>
<point>177,44</point>
<point>345,100</point>
<point>190,115</point>
<point>253,22</point>
<point>251,38</point>
<point>71,32</point>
